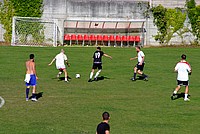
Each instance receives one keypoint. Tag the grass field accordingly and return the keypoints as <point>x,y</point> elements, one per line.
<point>138,107</point>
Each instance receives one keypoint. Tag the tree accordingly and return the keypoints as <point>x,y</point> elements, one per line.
<point>6,14</point>
<point>194,15</point>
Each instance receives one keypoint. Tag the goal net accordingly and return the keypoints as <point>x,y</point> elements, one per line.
<point>28,31</point>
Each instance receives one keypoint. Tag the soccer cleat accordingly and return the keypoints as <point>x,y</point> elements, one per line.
<point>146,78</point>
<point>173,96</point>
<point>34,99</point>
<point>57,76</point>
<point>95,79</point>
<point>133,79</point>
<point>27,99</point>
<point>186,99</point>
<point>66,81</point>
<point>90,80</point>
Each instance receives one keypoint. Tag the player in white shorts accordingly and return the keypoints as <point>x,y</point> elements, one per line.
<point>61,58</point>
<point>184,69</point>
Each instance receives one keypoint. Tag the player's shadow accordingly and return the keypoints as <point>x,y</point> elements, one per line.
<point>63,78</point>
<point>38,95</point>
<point>101,78</point>
<point>140,78</point>
<point>178,95</point>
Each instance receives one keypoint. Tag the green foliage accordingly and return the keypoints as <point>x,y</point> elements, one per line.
<point>193,14</point>
<point>160,21</point>
<point>6,14</point>
<point>168,22</point>
<point>28,8</point>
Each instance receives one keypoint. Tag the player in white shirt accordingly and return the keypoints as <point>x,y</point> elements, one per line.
<point>140,65</point>
<point>183,69</point>
<point>61,58</point>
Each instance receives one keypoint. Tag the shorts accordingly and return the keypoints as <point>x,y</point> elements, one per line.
<point>95,66</point>
<point>182,83</point>
<point>31,80</point>
<point>140,67</point>
<point>61,67</point>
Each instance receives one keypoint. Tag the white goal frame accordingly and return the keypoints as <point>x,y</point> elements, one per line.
<point>32,31</point>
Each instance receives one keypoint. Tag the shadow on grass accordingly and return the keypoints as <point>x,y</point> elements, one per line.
<point>101,78</point>
<point>178,95</point>
<point>38,95</point>
<point>63,78</point>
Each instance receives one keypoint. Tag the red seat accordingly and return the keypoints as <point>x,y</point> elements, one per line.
<point>137,38</point>
<point>86,37</point>
<point>99,37</point>
<point>118,38</point>
<point>112,38</point>
<point>66,37</point>
<point>105,38</point>
<point>124,38</point>
<point>131,38</point>
<point>73,37</point>
<point>92,37</point>
<point>79,37</point>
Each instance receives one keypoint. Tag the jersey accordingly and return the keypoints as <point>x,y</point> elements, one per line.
<point>60,60</point>
<point>98,57</point>
<point>102,127</point>
<point>140,55</point>
<point>183,69</point>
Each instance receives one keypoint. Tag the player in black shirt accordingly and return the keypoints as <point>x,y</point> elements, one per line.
<point>104,127</point>
<point>97,63</point>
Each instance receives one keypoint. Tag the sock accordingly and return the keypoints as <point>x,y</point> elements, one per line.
<point>27,92</point>
<point>175,92</point>
<point>91,75</point>
<point>97,74</point>
<point>134,76</point>
<point>144,75</point>
<point>66,79</point>
<point>186,96</point>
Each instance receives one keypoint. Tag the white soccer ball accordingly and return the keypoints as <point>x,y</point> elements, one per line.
<point>78,76</point>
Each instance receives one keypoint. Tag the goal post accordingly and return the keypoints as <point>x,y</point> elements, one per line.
<point>31,31</point>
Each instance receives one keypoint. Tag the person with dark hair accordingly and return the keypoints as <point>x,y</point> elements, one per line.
<point>61,58</point>
<point>97,63</point>
<point>140,65</point>
<point>183,69</point>
<point>31,78</point>
<point>104,127</point>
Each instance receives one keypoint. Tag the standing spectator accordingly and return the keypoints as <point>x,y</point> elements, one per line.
<point>184,69</point>
<point>140,65</point>
<point>97,63</point>
<point>31,78</point>
<point>104,127</point>
<point>61,58</point>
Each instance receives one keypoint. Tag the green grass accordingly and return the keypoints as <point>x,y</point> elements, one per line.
<point>75,108</point>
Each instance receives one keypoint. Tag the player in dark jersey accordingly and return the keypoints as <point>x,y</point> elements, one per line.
<point>97,63</point>
<point>104,127</point>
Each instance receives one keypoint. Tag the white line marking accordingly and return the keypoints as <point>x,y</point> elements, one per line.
<point>2,102</point>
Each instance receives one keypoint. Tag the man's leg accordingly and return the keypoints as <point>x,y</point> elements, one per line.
<point>34,94</point>
<point>134,75</point>
<point>143,75</point>
<point>65,71</point>
<point>91,75</point>
<point>59,73</point>
<point>97,74</point>
<point>27,92</point>
<point>186,93</point>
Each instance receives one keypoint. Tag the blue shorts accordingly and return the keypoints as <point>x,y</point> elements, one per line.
<point>32,81</point>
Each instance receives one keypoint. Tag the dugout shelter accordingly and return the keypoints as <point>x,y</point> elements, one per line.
<point>106,32</point>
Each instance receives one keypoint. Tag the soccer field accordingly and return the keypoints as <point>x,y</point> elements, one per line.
<point>136,107</point>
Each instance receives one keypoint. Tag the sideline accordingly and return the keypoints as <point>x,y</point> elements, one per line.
<point>2,102</point>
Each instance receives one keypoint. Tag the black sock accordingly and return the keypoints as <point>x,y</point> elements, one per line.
<point>134,76</point>
<point>27,92</point>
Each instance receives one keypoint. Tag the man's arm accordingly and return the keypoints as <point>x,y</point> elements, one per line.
<point>106,55</point>
<point>107,132</point>
<point>133,58</point>
<point>142,61</point>
<point>52,61</point>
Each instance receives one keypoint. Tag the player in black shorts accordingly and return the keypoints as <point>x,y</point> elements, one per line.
<point>104,127</point>
<point>97,63</point>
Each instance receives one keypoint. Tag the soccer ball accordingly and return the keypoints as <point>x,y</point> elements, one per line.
<point>78,76</point>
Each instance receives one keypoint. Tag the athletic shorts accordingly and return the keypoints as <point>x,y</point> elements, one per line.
<point>182,83</point>
<point>32,81</point>
<point>95,66</point>
<point>140,67</point>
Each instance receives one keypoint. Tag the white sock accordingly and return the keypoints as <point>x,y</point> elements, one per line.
<point>97,74</point>
<point>66,79</point>
<point>175,92</point>
<point>91,75</point>
<point>186,96</point>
